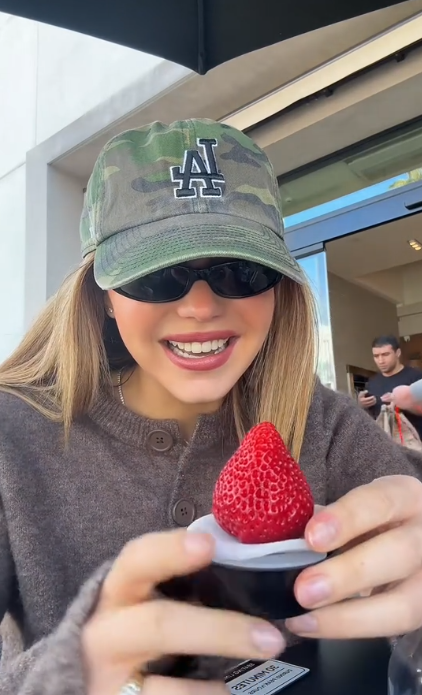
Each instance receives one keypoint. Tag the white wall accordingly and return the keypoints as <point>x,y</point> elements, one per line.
<point>65,201</point>
<point>410,319</point>
<point>412,282</point>
<point>76,73</point>
<point>404,286</point>
<point>357,317</point>
<point>387,283</point>
<point>410,312</point>
<point>12,255</point>
<point>49,77</point>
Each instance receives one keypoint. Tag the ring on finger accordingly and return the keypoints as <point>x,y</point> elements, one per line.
<point>134,686</point>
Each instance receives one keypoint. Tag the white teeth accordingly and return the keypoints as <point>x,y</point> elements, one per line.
<point>198,349</point>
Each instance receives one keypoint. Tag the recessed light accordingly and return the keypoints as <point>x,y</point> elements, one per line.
<point>415,244</point>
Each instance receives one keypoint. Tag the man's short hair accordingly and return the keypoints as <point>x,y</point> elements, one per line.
<point>384,340</point>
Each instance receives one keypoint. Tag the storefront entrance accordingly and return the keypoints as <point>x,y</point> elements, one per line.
<point>362,252</point>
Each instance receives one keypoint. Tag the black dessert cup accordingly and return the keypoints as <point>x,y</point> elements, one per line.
<point>264,592</point>
<point>262,586</point>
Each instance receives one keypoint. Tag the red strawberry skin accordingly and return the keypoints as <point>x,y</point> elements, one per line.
<point>261,495</point>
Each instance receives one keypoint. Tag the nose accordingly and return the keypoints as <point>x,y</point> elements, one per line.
<point>200,303</point>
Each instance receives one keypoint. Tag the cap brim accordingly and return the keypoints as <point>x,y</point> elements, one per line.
<point>138,251</point>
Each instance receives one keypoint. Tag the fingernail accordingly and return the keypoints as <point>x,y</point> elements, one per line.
<point>196,544</point>
<point>302,624</point>
<point>313,591</point>
<point>323,534</point>
<point>267,639</point>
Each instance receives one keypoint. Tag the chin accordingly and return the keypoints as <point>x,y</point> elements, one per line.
<point>205,391</point>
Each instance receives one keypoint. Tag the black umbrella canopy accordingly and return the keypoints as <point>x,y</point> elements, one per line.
<point>199,34</point>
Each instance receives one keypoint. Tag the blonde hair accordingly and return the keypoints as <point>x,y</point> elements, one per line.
<point>279,386</point>
<point>73,347</point>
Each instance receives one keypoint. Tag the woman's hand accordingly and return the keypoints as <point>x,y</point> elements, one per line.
<point>378,529</point>
<point>130,628</point>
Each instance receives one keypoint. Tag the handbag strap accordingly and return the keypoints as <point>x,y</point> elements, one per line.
<point>399,424</point>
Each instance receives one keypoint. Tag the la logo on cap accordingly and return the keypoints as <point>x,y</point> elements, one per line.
<point>199,169</point>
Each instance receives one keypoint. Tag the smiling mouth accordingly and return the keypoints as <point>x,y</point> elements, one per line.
<point>197,350</point>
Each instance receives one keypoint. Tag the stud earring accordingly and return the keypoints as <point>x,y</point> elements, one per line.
<point>110,310</point>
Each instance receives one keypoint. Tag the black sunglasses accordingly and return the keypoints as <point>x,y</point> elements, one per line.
<point>232,280</point>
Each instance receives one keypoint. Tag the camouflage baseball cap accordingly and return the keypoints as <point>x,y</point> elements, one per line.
<point>161,195</point>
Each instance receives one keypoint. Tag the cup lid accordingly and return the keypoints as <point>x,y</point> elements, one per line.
<point>266,556</point>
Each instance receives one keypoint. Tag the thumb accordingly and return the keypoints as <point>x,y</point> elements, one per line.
<point>150,560</point>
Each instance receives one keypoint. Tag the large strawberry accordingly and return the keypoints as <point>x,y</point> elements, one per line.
<point>261,494</point>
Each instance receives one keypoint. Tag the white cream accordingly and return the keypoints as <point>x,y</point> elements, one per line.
<point>278,555</point>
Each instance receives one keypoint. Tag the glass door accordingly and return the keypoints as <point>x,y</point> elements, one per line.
<point>315,267</point>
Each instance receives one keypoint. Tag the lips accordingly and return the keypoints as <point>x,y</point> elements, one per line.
<point>200,351</point>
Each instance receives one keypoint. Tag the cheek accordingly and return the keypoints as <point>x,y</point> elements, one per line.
<point>137,321</point>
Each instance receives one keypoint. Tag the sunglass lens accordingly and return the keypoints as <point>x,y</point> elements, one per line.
<point>164,285</point>
<point>241,279</point>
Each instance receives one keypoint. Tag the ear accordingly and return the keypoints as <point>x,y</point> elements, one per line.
<point>108,305</point>
<point>398,353</point>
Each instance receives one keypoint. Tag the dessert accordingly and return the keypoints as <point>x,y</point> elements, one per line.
<point>261,505</point>
<point>261,495</point>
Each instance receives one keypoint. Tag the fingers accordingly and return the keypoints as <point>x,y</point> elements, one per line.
<point>157,685</point>
<point>147,631</point>
<point>388,513</point>
<point>402,397</point>
<point>383,503</point>
<point>391,613</point>
<point>364,567</point>
<point>367,402</point>
<point>130,629</point>
<point>151,559</point>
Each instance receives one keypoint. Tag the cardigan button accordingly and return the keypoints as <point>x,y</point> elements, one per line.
<point>160,441</point>
<point>183,512</point>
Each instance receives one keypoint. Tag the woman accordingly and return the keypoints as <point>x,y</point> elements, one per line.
<point>187,323</point>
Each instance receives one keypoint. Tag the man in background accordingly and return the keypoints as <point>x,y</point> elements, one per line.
<point>392,373</point>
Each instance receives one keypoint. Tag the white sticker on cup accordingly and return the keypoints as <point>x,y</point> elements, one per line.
<point>263,678</point>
